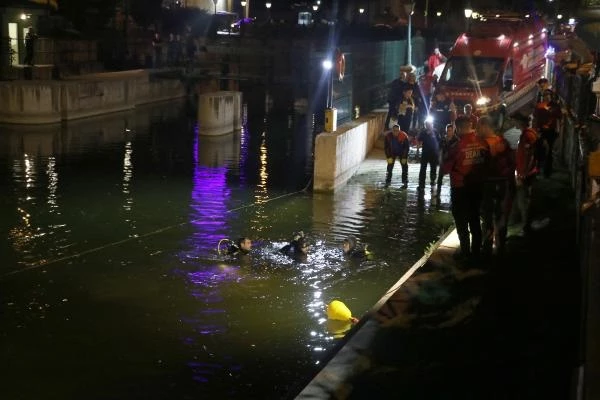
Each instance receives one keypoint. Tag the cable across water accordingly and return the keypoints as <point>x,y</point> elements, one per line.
<point>45,263</point>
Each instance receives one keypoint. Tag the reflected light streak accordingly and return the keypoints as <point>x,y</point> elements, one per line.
<point>52,185</point>
<point>127,175</point>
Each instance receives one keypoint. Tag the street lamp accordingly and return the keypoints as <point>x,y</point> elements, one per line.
<point>361,10</point>
<point>244,3</point>
<point>268,5</point>
<point>315,7</point>
<point>409,9</point>
<point>330,112</point>
<point>468,14</point>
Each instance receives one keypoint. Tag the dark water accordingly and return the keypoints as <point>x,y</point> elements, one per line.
<point>110,284</point>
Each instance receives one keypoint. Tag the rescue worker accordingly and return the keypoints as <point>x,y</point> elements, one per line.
<point>498,188</point>
<point>394,97</point>
<point>429,141</point>
<point>240,247</point>
<point>526,169</point>
<point>440,110</point>
<point>297,248</point>
<point>542,86</point>
<point>396,145</point>
<point>466,164</point>
<point>352,250</point>
<point>468,112</point>
<point>446,144</point>
<point>547,115</point>
<point>406,109</point>
<point>435,59</point>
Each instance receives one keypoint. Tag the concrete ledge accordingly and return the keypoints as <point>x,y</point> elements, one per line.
<point>349,359</point>
<point>339,154</point>
<point>42,102</point>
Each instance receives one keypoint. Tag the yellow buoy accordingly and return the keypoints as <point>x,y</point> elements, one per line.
<point>338,311</point>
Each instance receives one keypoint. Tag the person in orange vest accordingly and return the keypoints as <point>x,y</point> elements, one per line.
<point>466,164</point>
<point>498,188</point>
<point>446,143</point>
<point>526,169</point>
<point>396,145</point>
<point>547,115</point>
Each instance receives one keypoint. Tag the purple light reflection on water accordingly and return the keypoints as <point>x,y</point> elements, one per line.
<point>209,215</point>
<point>209,204</point>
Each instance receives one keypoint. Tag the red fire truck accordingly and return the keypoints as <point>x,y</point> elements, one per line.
<point>496,64</point>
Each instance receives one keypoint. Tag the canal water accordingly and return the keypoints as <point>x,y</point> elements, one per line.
<point>110,283</point>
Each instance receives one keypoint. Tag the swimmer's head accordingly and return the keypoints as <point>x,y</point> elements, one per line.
<point>349,244</point>
<point>301,246</point>
<point>245,244</point>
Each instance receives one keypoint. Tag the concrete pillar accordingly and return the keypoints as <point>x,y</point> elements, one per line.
<point>219,113</point>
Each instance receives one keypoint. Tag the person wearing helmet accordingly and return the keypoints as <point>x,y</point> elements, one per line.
<point>297,248</point>
<point>353,250</point>
<point>396,145</point>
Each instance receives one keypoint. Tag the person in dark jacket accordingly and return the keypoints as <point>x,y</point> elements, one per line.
<point>297,248</point>
<point>430,154</point>
<point>441,111</point>
<point>396,145</point>
<point>406,108</point>
<point>394,97</point>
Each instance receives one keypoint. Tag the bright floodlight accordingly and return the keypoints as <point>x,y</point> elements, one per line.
<point>315,7</point>
<point>439,13</point>
<point>571,21</point>
<point>327,64</point>
<point>559,16</point>
<point>361,10</point>
<point>429,119</point>
<point>268,5</point>
<point>243,3</point>
<point>468,12</point>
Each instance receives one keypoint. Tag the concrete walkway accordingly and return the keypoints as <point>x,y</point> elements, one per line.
<point>502,329</point>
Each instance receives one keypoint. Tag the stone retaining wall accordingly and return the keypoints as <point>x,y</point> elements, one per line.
<point>339,154</point>
<point>42,102</point>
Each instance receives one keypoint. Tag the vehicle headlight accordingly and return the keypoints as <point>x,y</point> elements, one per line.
<point>483,101</point>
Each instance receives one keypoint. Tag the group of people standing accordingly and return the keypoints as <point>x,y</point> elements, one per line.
<point>490,181</point>
<point>177,49</point>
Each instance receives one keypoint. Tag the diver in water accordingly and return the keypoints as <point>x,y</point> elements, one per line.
<point>353,250</point>
<point>240,247</point>
<point>297,248</point>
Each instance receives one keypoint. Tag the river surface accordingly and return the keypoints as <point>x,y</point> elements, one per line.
<point>110,283</point>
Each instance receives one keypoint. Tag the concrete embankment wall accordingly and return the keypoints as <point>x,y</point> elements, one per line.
<point>42,102</point>
<point>339,154</point>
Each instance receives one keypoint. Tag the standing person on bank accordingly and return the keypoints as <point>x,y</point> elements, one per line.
<point>446,144</point>
<point>30,38</point>
<point>430,154</point>
<point>466,164</point>
<point>526,169</point>
<point>547,115</point>
<point>396,145</point>
<point>498,188</point>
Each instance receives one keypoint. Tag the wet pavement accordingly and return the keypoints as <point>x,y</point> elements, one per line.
<point>501,328</point>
